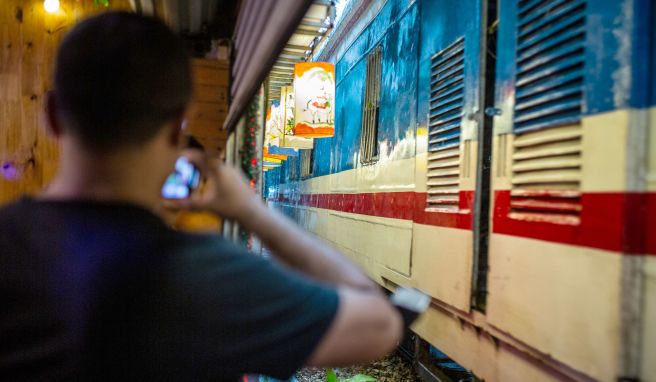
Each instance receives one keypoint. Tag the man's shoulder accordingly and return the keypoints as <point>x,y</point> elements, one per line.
<point>12,206</point>
<point>14,210</point>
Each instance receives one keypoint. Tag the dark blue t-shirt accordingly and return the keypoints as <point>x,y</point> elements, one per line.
<point>106,291</point>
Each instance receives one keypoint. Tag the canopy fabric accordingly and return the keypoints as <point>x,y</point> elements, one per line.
<point>263,28</point>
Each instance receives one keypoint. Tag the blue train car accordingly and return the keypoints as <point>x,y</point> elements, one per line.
<point>501,156</point>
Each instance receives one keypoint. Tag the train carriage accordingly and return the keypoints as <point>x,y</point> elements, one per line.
<point>500,156</point>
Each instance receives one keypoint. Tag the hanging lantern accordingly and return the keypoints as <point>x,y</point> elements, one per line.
<point>288,139</point>
<point>275,130</point>
<point>272,126</point>
<point>314,93</point>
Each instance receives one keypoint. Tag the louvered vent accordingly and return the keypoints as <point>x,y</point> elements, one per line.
<point>444,119</point>
<point>549,92</point>
<point>550,57</point>
<point>547,175</point>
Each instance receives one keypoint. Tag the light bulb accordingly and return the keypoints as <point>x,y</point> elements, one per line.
<point>51,6</point>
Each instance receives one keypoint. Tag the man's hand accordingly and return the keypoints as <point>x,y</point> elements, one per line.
<point>224,190</point>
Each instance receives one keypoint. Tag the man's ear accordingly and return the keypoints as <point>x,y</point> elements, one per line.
<point>53,124</point>
<point>176,129</point>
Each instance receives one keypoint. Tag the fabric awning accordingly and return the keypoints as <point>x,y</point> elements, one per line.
<point>263,28</point>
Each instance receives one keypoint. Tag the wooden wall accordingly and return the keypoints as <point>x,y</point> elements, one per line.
<point>29,38</point>
<point>209,106</point>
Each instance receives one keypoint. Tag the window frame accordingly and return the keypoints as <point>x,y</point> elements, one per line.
<point>369,153</point>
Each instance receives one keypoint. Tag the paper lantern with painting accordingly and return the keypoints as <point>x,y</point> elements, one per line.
<point>273,125</point>
<point>287,139</point>
<point>314,93</point>
<point>275,130</point>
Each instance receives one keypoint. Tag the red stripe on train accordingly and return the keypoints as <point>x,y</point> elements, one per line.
<point>620,222</point>
<point>612,221</point>
<point>396,205</point>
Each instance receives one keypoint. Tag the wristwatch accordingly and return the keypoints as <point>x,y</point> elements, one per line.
<point>410,302</point>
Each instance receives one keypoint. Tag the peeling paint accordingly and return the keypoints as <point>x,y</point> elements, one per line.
<point>622,76</point>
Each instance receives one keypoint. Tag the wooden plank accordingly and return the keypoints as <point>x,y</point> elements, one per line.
<point>208,111</point>
<point>206,128</point>
<point>209,72</point>
<point>216,64</point>
<point>211,93</point>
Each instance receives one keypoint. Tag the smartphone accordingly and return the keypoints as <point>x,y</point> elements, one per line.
<point>182,181</point>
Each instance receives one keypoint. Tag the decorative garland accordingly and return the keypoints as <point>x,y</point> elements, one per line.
<point>248,153</point>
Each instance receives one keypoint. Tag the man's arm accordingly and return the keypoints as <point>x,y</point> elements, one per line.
<point>366,326</point>
<point>301,250</point>
<point>226,193</point>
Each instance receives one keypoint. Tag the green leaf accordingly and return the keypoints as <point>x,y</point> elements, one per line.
<point>361,378</point>
<point>331,376</point>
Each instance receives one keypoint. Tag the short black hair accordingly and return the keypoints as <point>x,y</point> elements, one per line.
<point>119,77</point>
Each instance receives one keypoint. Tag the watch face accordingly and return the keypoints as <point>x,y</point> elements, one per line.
<point>412,299</point>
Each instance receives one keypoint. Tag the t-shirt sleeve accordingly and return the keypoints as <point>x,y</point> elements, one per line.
<point>251,315</point>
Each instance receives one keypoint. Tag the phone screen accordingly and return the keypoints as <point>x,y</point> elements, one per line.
<point>181,182</point>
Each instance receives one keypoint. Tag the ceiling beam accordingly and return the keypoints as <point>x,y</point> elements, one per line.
<point>286,60</point>
<point>307,32</point>
<point>313,24</point>
<point>289,64</point>
<point>293,53</point>
<point>296,47</point>
<point>322,2</point>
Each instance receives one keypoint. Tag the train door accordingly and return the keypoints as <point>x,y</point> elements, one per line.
<point>564,153</point>
<point>449,105</point>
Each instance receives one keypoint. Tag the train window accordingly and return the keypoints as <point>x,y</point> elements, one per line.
<point>444,120</point>
<point>307,162</point>
<point>546,167</point>
<point>369,137</point>
<point>293,167</point>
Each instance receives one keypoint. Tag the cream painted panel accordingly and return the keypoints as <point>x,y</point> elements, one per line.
<point>386,241</point>
<point>478,351</point>
<point>604,151</point>
<point>468,168</point>
<point>649,321</point>
<point>320,222</point>
<point>312,220</point>
<point>442,263</point>
<point>371,241</point>
<point>651,176</point>
<point>421,161</point>
<point>502,161</point>
<point>318,185</point>
<point>561,300</point>
<point>389,176</point>
<point>468,164</point>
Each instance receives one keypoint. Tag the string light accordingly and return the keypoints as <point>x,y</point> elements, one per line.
<point>51,6</point>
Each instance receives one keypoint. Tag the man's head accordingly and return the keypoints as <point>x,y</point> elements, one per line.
<point>120,78</point>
